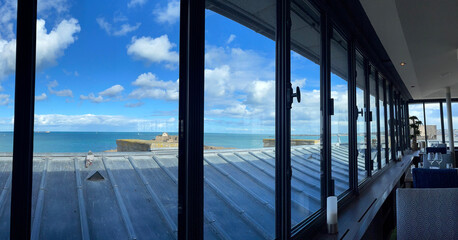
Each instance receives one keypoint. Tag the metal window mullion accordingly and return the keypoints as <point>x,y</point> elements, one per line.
<point>424,124</point>
<point>21,193</point>
<point>283,172</point>
<point>352,111</point>
<point>377,105</point>
<point>385,104</point>
<point>191,120</point>
<point>442,122</point>
<point>326,188</point>
<point>391,123</point>
<point>368,157</point>
<point>407,124</point>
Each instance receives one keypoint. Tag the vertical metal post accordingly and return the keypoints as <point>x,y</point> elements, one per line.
<point>377,104</point>
<point>191,120</point>
<point>424,124</point>
<point>352,111</point>
<point>283,90</point>
<point>451,137</point>
<point>391,122</point>
<point>385,109</point>
<point>442,122</point>
<point>325,95</point>
<point>21,194</point>
<point>367,106</point>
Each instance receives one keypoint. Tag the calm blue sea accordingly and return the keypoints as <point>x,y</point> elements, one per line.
<point>102,141</point>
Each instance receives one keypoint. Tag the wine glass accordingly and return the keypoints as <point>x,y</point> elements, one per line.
<point>430,159</point>
<point>439,159</point>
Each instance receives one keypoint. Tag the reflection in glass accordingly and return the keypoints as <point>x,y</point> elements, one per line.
<point>239,123</point>
<point>382,120</point>
<point>373,120</point>
<point>305,116</point>
<point>433,124</point>
<point>361,122</point>
<point>8,24</point>
<point>106,111</point>
<point>388,118</point>
<point>339,121</point>
<point>416,110</point>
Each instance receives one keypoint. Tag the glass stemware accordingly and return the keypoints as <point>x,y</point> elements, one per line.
<point>439,159</point>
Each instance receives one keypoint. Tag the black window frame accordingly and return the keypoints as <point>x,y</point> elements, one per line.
<point>191,107</point>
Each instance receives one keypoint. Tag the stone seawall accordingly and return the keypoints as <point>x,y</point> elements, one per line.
<point>138,145</point>
<point>294,142</point>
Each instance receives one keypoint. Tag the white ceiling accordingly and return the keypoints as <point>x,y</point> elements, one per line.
<point>424,35</point>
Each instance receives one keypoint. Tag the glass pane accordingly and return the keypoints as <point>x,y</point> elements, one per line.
<point>305,116</point>
<point>389,118</point>
<point>373,120</point>
<point>416,110</point>
<point>106,120</point>
<point>382,120</point>
<point>339,121</point>
<point>445,117</point>
<point>239,121</point>
<point>8,16</point>
<point>455,122</point>
<point>433,124</point>
<point>361,122</point>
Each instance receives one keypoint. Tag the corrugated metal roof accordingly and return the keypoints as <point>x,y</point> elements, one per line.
<point>137,199</point>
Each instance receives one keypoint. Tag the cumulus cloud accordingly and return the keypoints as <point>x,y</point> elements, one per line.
<point>135,3</point>
<point>91,97</point>
<point>122,30</point>
<point>4,99</point>
<point>113,91</point>
<point>42,97</point>
<point>154,50</point>
<point>169,14</point>
<point>230,39</point>
<point>92,122</point>
<point>60,93</point>
<point>51,45</point>
<point>149,86</point>
<point>134,105</point>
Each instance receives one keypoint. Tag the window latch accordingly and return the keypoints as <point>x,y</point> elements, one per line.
<point>359,112</point>
<point>296,95</point>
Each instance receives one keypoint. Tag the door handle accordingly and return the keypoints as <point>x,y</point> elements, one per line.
<point>359,112</point>
<point>296,95</point>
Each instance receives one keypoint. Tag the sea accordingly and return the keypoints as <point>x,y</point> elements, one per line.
<point>48,142</point>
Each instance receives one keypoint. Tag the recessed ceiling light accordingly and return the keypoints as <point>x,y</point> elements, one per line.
<point>403,63</point>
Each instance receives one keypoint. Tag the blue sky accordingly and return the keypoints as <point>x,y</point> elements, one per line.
<point>113,66</point>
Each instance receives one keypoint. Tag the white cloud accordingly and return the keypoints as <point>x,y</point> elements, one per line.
<point>7,57</point>
<point>8,13</point>
<point>59,6</point>
<point>169,14</point>
<point>120,31</point>
<point>154,50</point>
<point>230,39</point>
<point>42,97</point>
<point>51,45</point>
<point>60,93</point>
<point>91,97</point>
<point>133,105</point>
<point>4,99</point>
<point>149,86</point>
<point>92,122</point>
<point>112,91</point>
<point>134,3</point>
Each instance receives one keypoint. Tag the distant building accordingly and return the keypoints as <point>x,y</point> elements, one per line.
<point>431,130</point>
